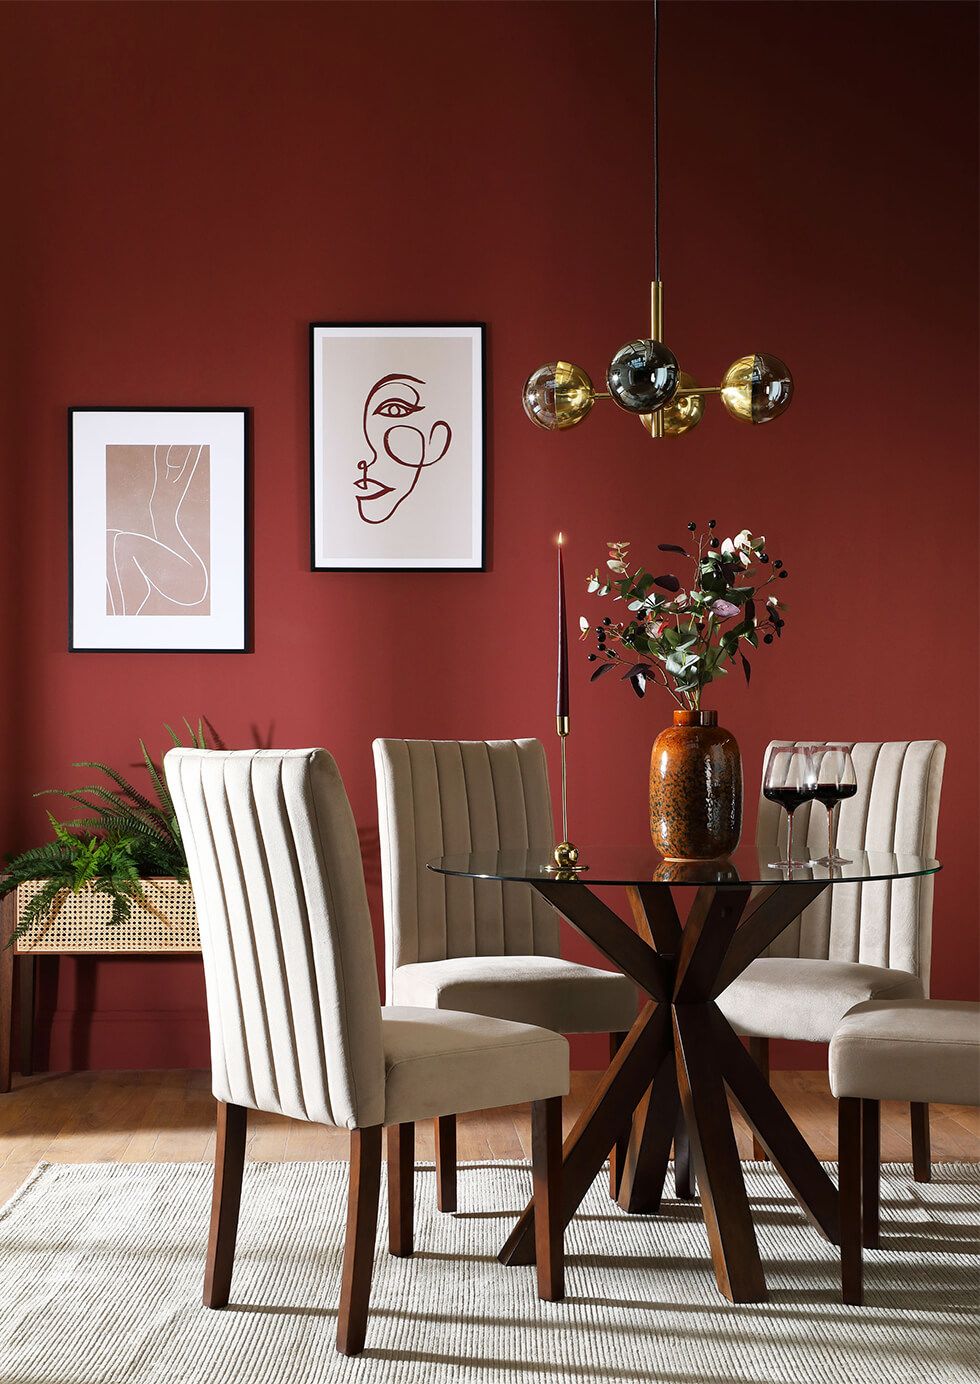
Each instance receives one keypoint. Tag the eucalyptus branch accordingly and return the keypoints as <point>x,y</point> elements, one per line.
<point>694,633</point>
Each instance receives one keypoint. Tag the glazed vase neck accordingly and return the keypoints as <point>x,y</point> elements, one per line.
<point>695,718</point>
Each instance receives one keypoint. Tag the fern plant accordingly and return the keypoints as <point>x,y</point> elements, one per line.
<point>71,863</point>
<point>124,836</point>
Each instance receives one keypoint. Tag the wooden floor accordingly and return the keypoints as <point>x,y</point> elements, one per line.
<point>164,1116</point>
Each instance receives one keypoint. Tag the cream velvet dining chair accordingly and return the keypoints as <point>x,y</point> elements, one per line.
<point>862,942</point>
<point>297,1026</point>
<point>479,945</point>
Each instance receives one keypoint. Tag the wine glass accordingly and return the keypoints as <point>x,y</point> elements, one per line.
<point>836,780</point>
<point>790,780</point>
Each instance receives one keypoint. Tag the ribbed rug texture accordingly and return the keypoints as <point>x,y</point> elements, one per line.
<point>102,1267</point>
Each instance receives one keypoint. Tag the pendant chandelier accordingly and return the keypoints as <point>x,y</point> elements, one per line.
<point>644,377</point>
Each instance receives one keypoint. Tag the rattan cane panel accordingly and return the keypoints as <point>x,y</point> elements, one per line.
<point>81,923</point>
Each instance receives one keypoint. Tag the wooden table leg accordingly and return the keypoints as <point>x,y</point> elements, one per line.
<point>617,1154</point>
<point>759,1052</point>
<point>685,1183</point>
<point>648,1150</point>
<point>728,1221</point>
<point>8,917</point>
<point>783,1142</point>
<point>608,1113</point>
<point>725,930</point>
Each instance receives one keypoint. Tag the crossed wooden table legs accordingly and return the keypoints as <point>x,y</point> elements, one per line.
<point>677,1060</point>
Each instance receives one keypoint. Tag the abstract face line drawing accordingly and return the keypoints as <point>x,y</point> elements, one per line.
<point>154,557</point>
<point>399,451</point>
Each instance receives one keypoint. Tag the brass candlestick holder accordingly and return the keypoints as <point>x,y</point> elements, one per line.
<point>566,854</point>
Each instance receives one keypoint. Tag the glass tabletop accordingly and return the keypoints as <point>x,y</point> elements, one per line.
<point>643,865</point>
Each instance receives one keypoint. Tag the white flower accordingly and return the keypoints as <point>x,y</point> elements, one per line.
<point>616,566</point>
<point>583,624</point>
<point>727,548</point>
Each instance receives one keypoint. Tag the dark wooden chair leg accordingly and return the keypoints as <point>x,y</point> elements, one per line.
<point>849,1180</point>
<point>685,1183</point>
<point>759,1052</point>
<point>617,1154</point>
<point>401,1190</point>
<point>921,1153</point>
<point>446,1162</point>
<point>8,921</point>
<point>229,1164</point>
<point>546,1163</point>
<point>362,1226</point>
<point>870,1172</point>
<point>25,1004</point>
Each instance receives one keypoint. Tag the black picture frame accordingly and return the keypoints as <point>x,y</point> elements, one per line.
<point>246,645</point>
<point>480,445</point>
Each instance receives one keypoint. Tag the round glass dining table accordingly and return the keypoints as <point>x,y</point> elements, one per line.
<point>671,1077</point>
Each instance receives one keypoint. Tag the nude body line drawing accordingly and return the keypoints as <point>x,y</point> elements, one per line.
<point>399,451</point>
<point>152,562</point>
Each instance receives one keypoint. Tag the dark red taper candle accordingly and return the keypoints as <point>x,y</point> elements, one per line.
<point>561,709</point>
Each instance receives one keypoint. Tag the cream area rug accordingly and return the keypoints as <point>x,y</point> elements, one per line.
<point>101,1268</point>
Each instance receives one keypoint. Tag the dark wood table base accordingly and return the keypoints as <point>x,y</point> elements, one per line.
<point>677,1065</point>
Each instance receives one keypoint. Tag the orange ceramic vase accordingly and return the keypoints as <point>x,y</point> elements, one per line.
<point>695,789</point>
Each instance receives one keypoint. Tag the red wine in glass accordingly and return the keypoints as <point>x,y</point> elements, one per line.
<point>791,798</point>
<point>830,794</point>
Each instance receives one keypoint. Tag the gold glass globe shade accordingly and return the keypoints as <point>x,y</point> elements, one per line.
<point>684,411</point>
<point>558,395</point>
<point>757,388</point>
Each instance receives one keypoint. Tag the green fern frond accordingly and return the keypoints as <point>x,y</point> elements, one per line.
<point>43,906</point>
<point>106,795</point>
<point>160,788</point>
<point>129,789</point>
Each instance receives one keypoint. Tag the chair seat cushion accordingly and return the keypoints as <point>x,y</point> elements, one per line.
<point>439,1062</point>
<point>805,999</point>
<point>915,1050</point>
<point>542,990</point>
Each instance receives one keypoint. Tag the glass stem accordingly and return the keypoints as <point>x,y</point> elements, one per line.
<point>830,835</point>
<point>789,838</point>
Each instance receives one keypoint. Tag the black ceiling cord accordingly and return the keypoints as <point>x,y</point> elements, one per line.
<point>656,140</point>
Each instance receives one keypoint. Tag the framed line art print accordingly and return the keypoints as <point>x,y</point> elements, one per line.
<point>158,501</point>
<point>397,450</point>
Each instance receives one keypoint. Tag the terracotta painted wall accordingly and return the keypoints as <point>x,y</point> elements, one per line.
<point>187,186</point>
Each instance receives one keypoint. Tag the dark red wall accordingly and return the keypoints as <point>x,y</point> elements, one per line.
<point>187,186</point>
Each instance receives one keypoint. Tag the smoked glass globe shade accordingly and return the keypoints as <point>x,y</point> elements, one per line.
<point>642,376</point>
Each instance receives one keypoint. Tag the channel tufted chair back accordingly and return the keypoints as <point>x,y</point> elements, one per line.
<point>440,797</point>
<point>896,808</point>
<point>289,963</point>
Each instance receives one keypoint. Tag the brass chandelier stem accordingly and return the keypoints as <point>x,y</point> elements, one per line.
<point>657,334</point>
